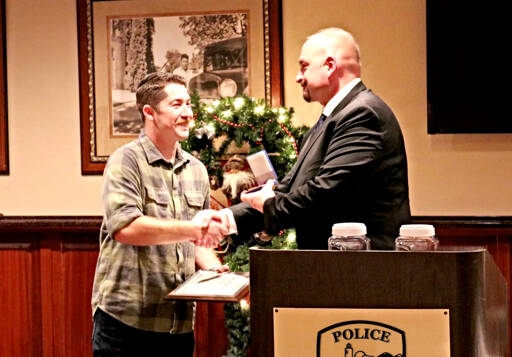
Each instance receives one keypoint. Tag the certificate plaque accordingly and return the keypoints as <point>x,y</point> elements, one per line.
<point>206,285</point>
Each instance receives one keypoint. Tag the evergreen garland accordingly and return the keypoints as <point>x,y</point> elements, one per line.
<point>238,326</point>
<point>244,120</point>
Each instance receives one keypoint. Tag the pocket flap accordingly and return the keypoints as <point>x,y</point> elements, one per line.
<point>194,198</point>
<point>159,196</point>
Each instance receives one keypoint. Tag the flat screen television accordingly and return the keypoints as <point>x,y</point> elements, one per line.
<point>467,67</point>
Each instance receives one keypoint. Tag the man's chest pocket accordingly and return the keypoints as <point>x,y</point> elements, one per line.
<point>194,201</point>
<point>157,203</point>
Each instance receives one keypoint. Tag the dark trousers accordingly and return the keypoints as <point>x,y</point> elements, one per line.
<point>112,338</point>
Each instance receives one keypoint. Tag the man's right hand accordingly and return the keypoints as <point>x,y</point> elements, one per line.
<point>211,227</point>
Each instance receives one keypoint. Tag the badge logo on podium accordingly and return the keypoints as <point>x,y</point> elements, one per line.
<point>360,338</point>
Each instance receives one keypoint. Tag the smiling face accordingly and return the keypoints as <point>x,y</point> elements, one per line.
<point>172,116</point>
<point>328,61</point>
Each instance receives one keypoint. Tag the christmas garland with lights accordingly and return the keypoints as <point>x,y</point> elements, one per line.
<point>243,120</point>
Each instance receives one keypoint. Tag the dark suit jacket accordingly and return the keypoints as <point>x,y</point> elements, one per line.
<point>354,169</point>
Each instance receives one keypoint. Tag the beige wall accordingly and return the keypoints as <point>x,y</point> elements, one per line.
<point>449,174</point>
<point>43,113</point>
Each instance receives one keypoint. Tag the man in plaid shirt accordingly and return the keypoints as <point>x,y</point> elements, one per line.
<point>156,228</point>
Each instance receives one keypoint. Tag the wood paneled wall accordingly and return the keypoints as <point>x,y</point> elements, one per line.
<point>47,268</point>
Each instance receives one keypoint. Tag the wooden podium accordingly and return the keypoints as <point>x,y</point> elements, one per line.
<point>462,280</point>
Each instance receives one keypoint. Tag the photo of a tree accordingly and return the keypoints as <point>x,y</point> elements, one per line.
<point>209,51</point>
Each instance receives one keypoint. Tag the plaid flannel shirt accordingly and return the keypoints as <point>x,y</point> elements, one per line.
<point>131,281</point>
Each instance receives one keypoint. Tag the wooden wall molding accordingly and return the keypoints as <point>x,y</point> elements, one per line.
<point>89,223</point>
<point>93,223</point>
<point>466,221</point>
<point>49,264</point>
<point>50,223</point>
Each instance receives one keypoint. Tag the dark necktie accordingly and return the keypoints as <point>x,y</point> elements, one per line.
<point>313,130</point>
<point>318,124</point>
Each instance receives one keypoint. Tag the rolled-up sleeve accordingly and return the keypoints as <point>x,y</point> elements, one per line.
<point>122,196</point>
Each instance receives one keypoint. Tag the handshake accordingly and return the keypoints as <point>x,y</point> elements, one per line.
<point>211,226</point>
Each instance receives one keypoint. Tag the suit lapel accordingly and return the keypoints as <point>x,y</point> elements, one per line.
<point>312,137</point>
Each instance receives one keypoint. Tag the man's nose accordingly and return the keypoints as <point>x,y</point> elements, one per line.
<point>298,77</point>
<point>187,112</point>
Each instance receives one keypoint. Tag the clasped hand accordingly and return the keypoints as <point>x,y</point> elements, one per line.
<point>212,227</point>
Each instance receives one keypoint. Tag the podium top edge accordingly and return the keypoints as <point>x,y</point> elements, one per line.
<point>440,250</point>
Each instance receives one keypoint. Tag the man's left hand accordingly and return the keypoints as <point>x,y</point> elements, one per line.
<point>258,198</point>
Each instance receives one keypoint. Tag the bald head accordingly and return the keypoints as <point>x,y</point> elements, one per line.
<point>329,60</point>
<point>339,44</point>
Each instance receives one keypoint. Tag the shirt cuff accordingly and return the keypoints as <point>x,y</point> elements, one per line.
<point>232,223</point>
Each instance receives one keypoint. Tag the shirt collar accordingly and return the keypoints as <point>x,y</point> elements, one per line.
<point>338,97</point>
<point>153,154</point>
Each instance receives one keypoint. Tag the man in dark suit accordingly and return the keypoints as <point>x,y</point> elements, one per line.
<point>352,165</point>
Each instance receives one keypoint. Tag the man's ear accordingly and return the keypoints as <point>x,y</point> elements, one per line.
<point>148,112</point>
<point>331,65</point>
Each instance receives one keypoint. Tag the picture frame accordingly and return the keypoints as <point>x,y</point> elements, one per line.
<point>4,143</point>
<point>265,64</point>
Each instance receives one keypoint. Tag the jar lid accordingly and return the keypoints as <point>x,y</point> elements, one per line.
<point>348,229</point>
<point>417,230</point>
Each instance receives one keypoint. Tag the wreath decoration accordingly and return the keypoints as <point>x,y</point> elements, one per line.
<point>243,120</point>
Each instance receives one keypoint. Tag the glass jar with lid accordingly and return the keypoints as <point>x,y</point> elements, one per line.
<point>416,237</point>
<point>349,236</point>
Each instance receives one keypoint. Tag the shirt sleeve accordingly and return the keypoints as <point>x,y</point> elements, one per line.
<point>231,218</point>
<point>122,192</point>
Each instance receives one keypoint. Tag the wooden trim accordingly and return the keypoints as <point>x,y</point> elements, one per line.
<point>50,223</point>
<point>4,142</point>
<point>17,246</point>
<point>93,223</point>
<point>465,221</point>
<point>276,52</point>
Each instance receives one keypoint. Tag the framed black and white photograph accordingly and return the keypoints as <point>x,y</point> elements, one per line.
<point>220,48</point>
<point>210,52</point>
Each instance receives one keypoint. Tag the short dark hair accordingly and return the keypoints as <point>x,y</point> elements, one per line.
<point>150,90</point>
<point>184,56</point>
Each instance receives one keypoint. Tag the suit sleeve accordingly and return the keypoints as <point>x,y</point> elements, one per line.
<point>353,144</point>
<point>248,221</point>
